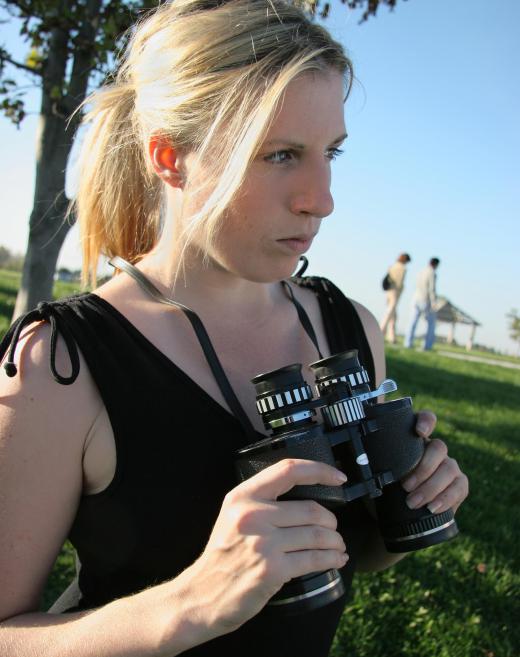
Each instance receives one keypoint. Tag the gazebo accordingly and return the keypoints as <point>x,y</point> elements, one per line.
<point>447,312</point>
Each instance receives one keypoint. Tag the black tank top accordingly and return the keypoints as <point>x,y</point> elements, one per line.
<point>175,447</point>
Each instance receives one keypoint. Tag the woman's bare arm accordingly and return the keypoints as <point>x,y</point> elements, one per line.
<point>257,544</point>
<point>43,428</point>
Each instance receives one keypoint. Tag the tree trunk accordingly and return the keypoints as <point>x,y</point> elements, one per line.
<point>48,226</point>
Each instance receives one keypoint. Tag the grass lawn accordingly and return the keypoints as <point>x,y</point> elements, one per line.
<point>460,599</point>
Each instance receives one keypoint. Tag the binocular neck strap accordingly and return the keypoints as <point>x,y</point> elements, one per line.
<point>303,317</point>
<point>218,372</point>
<point>209,352</point>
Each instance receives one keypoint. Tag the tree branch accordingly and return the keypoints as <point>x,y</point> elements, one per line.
<point>84,59</point>
<point>6,58</point>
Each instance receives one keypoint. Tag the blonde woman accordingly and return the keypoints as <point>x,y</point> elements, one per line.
<point>208,167</point>
<point>397,273</point>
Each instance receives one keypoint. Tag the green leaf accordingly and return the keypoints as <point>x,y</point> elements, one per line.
<point>55,93</point>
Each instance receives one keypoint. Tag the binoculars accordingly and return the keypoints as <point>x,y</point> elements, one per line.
<point>375,444</point>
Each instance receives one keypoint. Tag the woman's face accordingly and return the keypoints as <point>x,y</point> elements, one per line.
<point>286,191</point>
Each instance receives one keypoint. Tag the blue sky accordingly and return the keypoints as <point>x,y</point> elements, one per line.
<point>431,165</point>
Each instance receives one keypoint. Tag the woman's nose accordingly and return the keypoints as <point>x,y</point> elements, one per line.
<point>312,195</point>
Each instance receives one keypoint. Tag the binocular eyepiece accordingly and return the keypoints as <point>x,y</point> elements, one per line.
<point>375,444</point>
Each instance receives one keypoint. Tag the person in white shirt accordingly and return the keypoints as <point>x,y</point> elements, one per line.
<point>424,302</point>
<point>396,272</point>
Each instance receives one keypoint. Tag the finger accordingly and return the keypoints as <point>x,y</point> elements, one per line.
<point>463,491</point>
<point>440,480</point>
<point>426,422</point>
<point>279,478</point>
<point>295,513</point>
<point>312,561</point>
<point>285,514</point>
<point>452,497</point>
<point>434,454</point>
<point>295,539</point>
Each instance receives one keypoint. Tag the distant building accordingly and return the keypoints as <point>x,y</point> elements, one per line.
<point>66,275</point>
<point>447,312</point>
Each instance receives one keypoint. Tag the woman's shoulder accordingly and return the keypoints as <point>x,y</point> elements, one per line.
<point>324,288</point>
<point>44,380</point>
<point>350,313</point>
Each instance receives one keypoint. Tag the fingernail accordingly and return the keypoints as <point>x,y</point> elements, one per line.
<point>341,476</point>
<point>433,506</point>
<point>408,484</point>
<point>414,501</point>
<point>421,427</point>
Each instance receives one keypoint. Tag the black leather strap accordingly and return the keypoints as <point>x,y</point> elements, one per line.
<point>203,338</point>
<point>303,317</point>
<point>302,268</point>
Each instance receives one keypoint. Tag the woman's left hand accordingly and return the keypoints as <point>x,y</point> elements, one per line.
<point>437,481</point>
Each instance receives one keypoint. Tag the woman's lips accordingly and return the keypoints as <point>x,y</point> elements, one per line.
<point>297,244</point>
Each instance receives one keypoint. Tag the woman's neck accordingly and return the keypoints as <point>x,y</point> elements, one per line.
<point>202,282</point>
<point>207,285</point>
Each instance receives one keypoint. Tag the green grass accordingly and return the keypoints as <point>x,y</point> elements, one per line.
<point>461,349</point>
<point>460,599</point>
<point>9,283</point>
<point>457,349</point>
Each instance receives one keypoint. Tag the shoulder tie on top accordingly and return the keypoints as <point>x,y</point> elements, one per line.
<point>45,312</point>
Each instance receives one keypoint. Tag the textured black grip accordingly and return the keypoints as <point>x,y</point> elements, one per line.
<point>395,445</point>
<point>312,445</point>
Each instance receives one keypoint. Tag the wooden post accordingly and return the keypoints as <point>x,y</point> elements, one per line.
<point>469,345</point>
<point>451,334</point>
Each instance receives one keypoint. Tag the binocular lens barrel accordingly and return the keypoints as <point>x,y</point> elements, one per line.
<point>309,592</point>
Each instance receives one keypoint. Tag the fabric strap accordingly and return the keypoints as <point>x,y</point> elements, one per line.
<point>43,312</point>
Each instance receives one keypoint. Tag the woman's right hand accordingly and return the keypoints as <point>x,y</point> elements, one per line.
<point>259,543</point>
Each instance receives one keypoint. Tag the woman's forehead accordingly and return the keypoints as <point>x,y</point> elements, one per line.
<point>312,105</point>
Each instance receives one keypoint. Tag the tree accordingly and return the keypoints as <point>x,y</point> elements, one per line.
<point>514,326</point>
<point>71,44</point>
<point>11,261</point>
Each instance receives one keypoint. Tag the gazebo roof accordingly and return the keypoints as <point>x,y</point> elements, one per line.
<point>447,312</point>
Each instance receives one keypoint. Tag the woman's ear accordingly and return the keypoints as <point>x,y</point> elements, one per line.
<point>165,161</point>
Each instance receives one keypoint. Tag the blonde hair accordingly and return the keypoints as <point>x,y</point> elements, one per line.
<point>207,77</point>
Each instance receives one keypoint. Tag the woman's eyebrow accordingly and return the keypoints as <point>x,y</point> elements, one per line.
<point>300,147</point>
<point>340,139</point>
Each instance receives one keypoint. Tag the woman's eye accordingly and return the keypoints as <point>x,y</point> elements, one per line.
<point>333,153</point>
<point>279,157</point>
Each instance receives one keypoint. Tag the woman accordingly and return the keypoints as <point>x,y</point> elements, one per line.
<point>208,166</point>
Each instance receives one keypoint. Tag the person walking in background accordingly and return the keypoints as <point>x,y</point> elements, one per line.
<point>424,302</point>
<point>396,274</point>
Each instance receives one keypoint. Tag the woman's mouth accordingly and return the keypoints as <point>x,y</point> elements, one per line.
<point>298,244</point>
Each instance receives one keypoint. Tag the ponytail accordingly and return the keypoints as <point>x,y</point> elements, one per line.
<point>119,198</point>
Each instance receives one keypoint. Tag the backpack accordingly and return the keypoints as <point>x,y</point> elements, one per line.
<point>387,283</point>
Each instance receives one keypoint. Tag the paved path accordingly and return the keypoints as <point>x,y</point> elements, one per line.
<point>480,359</point>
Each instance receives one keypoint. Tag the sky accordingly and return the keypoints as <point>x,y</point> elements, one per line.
<point>431,166</point>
